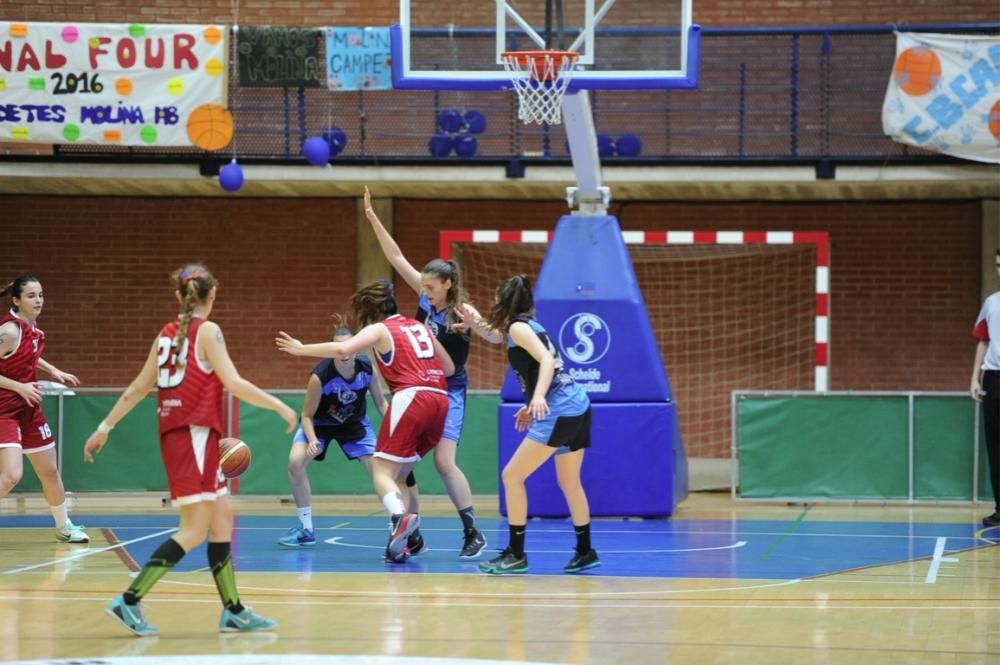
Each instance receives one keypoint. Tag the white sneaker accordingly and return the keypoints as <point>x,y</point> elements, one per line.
<point>71,533</point>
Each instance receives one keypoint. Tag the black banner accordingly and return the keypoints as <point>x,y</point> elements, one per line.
<point>277,56</point>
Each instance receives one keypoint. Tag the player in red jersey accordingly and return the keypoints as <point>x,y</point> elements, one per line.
<point>23,429</point>
<point>190,364</point>
<point>414,366</point>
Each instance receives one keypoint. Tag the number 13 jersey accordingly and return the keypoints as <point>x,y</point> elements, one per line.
<point>412,361</point>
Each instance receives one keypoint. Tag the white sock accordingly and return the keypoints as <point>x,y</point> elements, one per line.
<point>61,514</point>
<point>393,502</point>
<point>306,517</point>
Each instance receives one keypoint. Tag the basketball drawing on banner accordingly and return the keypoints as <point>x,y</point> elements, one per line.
<point>358,59</point>
<point>944,95</point>
<point>118,84</point>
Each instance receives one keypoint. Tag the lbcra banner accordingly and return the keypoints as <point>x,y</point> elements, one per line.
<point>944,95</point>
<point>114,84</point>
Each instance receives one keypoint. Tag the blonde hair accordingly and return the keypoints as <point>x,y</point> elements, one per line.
<point>194,282</point>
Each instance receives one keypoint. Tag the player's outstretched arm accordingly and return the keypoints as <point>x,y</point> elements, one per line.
<point>367,336</point>
<point>390,248</point>
<point>213,345</point>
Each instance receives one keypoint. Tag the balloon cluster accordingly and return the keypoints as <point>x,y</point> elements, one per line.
<point>456,133</point>
<point>627,145</point>
<point>319,149</point>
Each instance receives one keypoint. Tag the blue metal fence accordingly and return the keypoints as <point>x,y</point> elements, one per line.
<point>791,94</point>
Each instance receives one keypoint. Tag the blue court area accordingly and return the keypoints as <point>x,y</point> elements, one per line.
<point>739,549</point>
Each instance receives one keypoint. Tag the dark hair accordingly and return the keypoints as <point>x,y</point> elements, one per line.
<point>373,303</point>
<point>513,299</point>
<point>193,282</point>
<point>341,328</point>
<point>448,270</point>
<point>15,288</point>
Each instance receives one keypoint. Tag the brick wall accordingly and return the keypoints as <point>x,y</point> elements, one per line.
<point>715,13</point>
<point>104,264</point>
<point>905,276</point>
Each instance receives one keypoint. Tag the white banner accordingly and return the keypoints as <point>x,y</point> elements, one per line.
<point>944,95</point>
<point>114,84</point>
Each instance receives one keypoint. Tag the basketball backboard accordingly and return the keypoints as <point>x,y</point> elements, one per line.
<point>623,44</point>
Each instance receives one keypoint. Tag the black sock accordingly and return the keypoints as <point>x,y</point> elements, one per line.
<point>582,538</point>
<point>468,516</point>
<point>517,539</point>
<point>221,562</point>
<point>164,558</point>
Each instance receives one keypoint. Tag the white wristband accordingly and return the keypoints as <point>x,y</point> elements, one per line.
<point>103,427</point>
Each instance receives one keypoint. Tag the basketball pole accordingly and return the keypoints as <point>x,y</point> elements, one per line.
<point>589,197</point>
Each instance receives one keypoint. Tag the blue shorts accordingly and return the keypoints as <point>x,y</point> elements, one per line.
<point>352,446</point>
<point>456,414</point>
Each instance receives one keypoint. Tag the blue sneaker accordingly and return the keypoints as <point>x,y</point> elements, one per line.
<point>298,537</point>
<point>244,622</point>
<point>131,617</point>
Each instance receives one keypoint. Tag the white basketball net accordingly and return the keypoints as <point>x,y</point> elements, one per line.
<point>541,91</point>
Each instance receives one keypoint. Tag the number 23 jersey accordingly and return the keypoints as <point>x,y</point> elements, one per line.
<point>412,362</point>
<point>191,394</point>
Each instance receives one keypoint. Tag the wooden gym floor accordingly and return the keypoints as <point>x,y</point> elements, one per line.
<point>719,582</point>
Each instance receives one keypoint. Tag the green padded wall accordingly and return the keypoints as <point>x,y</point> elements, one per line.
<point>857,447</point>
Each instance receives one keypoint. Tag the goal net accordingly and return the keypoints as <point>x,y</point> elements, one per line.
<point>726,317</point>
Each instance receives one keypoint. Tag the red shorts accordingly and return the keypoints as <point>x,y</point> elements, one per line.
<point>191,458</point>
<point>413,425</point>
<point>26,429</point>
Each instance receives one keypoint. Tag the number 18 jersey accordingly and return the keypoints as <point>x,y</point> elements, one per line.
<point>412,362</point>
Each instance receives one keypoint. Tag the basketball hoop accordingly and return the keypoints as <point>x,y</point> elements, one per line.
<point>540,91</point>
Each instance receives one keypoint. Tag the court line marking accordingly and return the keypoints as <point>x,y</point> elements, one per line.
<point>795,527</point>
<point>336,540</point>
<point>494,594</point>
<point>89,552</point>
<point>131,564</point>
<point>936,560</point>
<point>436,602</point>
<point>541,529</point>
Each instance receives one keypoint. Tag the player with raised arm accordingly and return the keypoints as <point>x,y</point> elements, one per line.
<point>414,366</point>
<point>439,289</point>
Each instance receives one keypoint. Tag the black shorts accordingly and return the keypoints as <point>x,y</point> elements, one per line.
<point>571,432</point>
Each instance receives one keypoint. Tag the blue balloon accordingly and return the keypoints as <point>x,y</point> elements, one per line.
<point>450,121</point>
<point>466,145</point>
<point>337,139</point>
<point>231,177</point>
<point>629,145</point>
<point>605,145</point>
<point>440,145</point>
<point>317,150</point>
<point>475,122</point>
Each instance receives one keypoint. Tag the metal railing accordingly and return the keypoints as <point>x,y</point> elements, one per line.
<point>804,94</point>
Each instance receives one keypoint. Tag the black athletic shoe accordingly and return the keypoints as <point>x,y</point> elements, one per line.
<point>415,544</point>
<point>475,543</point>
<point>581,562</point>
<point>505,564</point>
<point>402,526</point>
<point>992,520</point>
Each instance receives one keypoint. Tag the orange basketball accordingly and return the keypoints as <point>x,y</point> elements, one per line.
<point>917,70</point>
<point>234,457</point>
<point>210,127</point>
<point>994,121</point>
